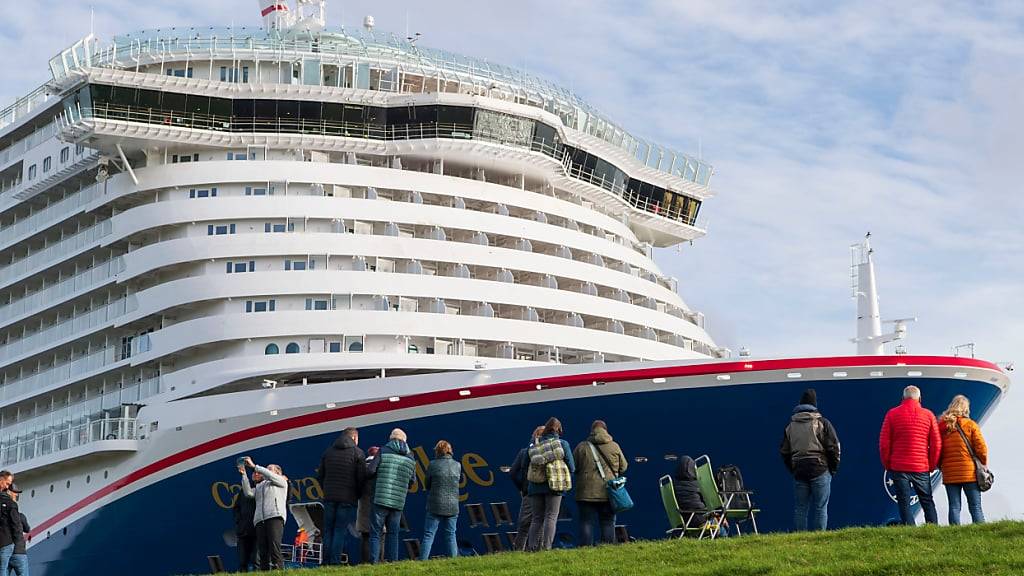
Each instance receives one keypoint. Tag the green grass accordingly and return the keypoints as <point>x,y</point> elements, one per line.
<point>991,549</point>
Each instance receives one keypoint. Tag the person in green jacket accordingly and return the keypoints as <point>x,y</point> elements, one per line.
<point>395,474</point>
<point>442,483</point>
<point>591,479</point>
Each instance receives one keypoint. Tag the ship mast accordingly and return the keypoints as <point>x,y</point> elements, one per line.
<point>870,340</point>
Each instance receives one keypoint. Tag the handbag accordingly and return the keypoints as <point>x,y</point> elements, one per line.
<point>982,474</point>
<point>618,497</point>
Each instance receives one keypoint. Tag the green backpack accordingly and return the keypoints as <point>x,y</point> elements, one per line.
<point>542,455</point>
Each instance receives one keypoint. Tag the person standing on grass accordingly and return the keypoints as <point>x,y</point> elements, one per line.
<point>271,495</point>
<point>19,560</point>
<point>365,509</point>
<point>396,472</point>
<point>10,521</point>
<point>442,483</point>
<point>956,463</point>
<point>909,446</point>
<point>518,475</point>
<point>244,510</point>
<point>810,450</point>
<point>598,459</point>
<point>342,473</point>
<point>549,477</point>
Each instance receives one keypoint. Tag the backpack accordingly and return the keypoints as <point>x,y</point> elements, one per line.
<point>542,454</point>
<point>729,479</point>
<point>558,476</point>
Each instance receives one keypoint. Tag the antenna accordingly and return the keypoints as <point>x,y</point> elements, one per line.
<point>870,341</point>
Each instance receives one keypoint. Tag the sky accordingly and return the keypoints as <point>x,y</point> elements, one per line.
<point>823,120</point>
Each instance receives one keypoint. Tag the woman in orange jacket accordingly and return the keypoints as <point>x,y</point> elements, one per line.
<point>958,470</point>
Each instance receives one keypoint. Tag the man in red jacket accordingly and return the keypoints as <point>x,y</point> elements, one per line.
<point>909,446</point>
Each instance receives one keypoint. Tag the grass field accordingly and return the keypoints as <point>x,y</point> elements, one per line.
<point>991,549</point>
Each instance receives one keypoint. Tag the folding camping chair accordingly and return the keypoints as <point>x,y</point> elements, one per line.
<point>735,506</point>
<point>681,521</point>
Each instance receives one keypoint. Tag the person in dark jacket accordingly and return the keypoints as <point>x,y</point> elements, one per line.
<point>10,521</point>
<point>810,450</point>
<point>396,473</point>
<point>19,560</point>
<point>544,502</point>
<point>244,510</point>
<point>598,459</point>
<point>364,511</point>
<point>688,496</point>
<point>442,483</point>
<point>342,473</point>
<point>518,475</point>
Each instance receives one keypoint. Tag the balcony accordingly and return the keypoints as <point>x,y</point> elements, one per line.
<point>74,441</point>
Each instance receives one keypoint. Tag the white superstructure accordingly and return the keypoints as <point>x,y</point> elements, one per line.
<point>189,212</point>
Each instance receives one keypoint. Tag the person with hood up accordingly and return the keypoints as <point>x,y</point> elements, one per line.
<point>688,496</point>
<point>271,496</point>
<point>396,472</point>
<point>810,450</point>
<point>592,474</point>
<point>341,474</point>
<point>545,502</point>
<point>442,483</point>
<point>909,446</point>
<point>518,475</point>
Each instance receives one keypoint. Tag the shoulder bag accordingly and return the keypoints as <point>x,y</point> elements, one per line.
<point>984,476</point>
<point>616,487</point>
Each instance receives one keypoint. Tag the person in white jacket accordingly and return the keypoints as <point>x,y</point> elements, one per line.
<point>271,512</point>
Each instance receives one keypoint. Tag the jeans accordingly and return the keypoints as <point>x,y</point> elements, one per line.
<point>268,535</point>
<point>596,513</point>
<point>812,497</point>
<point>337,517</point>
<point>19,564</point>
<point>523,525</point>
<point>447,524</point>
<point>909,483</point>
<point>380,518</point>
<point>5,558</point>
<point>545,516</point>
<point>973,502</point>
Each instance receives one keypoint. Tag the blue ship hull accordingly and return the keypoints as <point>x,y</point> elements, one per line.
<point>171,526</point>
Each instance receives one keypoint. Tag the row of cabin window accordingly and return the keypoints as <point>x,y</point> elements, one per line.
<point>252,306</point>
<point>222,229</point>
<point>250,266</point>
<point>332,347</point>
<point>212,192</point>
<point>226,74</point>
<point>65,155</point>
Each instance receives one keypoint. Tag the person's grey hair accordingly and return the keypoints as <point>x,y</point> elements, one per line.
<point>275,469</point>
<point>398,434</point>
<point>912,393</point>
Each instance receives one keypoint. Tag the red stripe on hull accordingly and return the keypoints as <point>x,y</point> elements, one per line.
<point>501,389</point>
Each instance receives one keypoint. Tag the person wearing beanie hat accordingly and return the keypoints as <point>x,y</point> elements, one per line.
<point>810,450</point>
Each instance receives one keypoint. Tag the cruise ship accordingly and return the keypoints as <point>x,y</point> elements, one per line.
<point>224,242</point>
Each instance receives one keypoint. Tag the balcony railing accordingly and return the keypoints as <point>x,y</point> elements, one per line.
<point>70,437</point>
<point>46,297</point>
<point>69,327</point>
<point>56,252</point>
<point>388,133</point>
<point>38,221</point>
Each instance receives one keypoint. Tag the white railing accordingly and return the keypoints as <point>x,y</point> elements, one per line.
<point>46,297</point>
<point>55,253</point>
<point>62,373</point>
<point>36,222</point>
<point>68,328</point>
<point>24,106</point>
<point>70,437</point>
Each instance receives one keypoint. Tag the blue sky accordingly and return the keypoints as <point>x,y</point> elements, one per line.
<point>823,121</point>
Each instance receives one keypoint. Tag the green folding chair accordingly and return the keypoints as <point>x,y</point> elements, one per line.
<point>735,506</point>
<point>681,522</point>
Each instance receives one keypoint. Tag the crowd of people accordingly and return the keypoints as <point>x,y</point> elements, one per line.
<point>912,444</point>
<point>369,490</point>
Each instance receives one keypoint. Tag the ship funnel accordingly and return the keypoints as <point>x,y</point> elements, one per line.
<point>870,340</point>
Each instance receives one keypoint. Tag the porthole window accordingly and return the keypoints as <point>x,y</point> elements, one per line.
<point>271,349</point>
<point>105,472</point>
<point>87,479</point>
<point>51,488</point>
<point>292,348</point>
<point>33,493</point>
<point>355,347</point>
<point>69,484</point>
